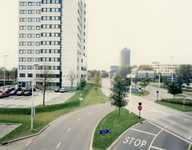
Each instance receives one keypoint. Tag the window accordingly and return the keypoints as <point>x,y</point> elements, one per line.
<point>23,3</point>
<point>57,1</point>
<point>84,19</point>
<point>81,60</point>
<point>31,3</point>
<point>31,27</point>
<point>38,35</point>
<point>57,9</point>
<point>22,27</point>
<point>22,51</point>
<point>84,12</point>
<point>22,35</point>
<point>30,43</point>
<point>30,51</point>
<point>31,11</point>
<point>22,19</point>
<point>38,28</point>
<point>22,43</point>
<point>22,67</point>
<point>38,4</point>
<point>38,43</point>
<point>38,11</point>
<point>31,19</point>
<point>38,59</point>
<point>30,75</point>
<point>29,67</point>
<point>38,19</point>
<point>31,35</point>
<point>43,9</point>
<point>29,59</point>
<point>53,1</point>
<point>23,11</point>
<point>38,51</point>
<point>22,74</point>
<point>22,59</point>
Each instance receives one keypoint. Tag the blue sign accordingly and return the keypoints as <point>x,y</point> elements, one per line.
<point>133,89</point>
<point>170,79</point>
<point>105,131</point>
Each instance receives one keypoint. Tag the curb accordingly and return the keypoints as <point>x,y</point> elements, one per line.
<point>189,147</point>
<point>115,142</point>
<point>25,137</point>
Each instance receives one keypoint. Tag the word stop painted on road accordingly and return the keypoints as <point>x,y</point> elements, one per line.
<point>135,142</point>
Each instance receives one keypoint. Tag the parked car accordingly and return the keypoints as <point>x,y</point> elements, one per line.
<point>7,91</point>
<point>183,86</point>
<point>62,90</point>
<point>188,87</point>
<point>12,88</point>
<point>28,93</point>
<point>3,95</point>
<point>1,91</point>
<point>57,90</point>
<point>19,89</point>
<point>14,92</point>
<point>20,93</point>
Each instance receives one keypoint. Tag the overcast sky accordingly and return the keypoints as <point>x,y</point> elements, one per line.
<point>154,30</point>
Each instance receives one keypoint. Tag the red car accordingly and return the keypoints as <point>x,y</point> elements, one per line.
<point>188,87</point>
<point>20,93</point>
<point>3,95</point>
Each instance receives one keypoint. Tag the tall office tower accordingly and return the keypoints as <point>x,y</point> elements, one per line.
<point>52,33</point>
<point>125,57</point>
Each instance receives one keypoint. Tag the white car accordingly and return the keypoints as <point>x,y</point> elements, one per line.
<point>62,90</point>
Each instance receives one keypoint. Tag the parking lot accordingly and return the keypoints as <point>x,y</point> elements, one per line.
<point>26,101</point>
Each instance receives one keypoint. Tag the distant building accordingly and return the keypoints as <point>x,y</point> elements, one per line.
<point>114,68</point>
<point>125,57</point>
<point>165,69</point>
<point>134,66</point>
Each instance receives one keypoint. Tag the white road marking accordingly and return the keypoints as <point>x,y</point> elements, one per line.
<point>157,148</point>
<point>171,123</point>
<point>79,119</point>
<point>189,137</point>
<point>68,129</point>
<point>58,144</point>
<point>89,112</point>
<point>144,132</point>
<point>28,143</point>
<point>166,126</point>
<point>170,132</point>
<point>154,139</point>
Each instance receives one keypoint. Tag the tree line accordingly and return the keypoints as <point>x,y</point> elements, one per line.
<point>9,74</point>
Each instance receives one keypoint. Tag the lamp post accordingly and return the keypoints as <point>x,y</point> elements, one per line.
<point>130,94</point>
<point>32,109</point>
<point>4,67</point>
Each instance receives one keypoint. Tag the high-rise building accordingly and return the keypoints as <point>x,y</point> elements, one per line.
<point>52,32</point>
<point>125,57</point>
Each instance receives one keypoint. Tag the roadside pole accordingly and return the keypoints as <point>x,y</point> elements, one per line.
<point>130,94</point>
<point>159,80</point>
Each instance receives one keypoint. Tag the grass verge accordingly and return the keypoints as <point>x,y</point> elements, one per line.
<point>117,126</point>
<point>43,118</point>
<point>178,105</point>
<point>142,93</point>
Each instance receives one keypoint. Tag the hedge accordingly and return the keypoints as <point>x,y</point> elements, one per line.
<point>178,101</point>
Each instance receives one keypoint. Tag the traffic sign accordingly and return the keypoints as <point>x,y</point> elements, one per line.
<point>139,107</point>
<point>105,131</point>
<point>80,98</point>
<point>184,98</point>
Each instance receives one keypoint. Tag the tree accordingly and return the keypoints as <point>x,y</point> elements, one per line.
<point>71,78</point>
<point>96,82</point>
<point>88,74</point>
<point>135,80</point>
<point>184,71</point>
<point>187,81</point>
<point>44,78</point>
<point>124,70</point>
<point>118,92</point>
<point>144,82</point>
<point>82,83</point>
<point>174,88</point>
<point>166,81</point>
<point>13,73</point>
<point>179,81</point>
<point>104,74</point>
<point>128,81</point>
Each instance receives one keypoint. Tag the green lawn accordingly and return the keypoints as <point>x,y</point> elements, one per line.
<point>177,106</point>
<point>117,126</point>
<point>42,119</point>
<point>142,93</point>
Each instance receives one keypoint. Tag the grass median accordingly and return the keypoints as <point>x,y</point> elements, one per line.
<point>176,104</point>
<point>140,93</point>
<point>117,126</point>
<point>48,113</point>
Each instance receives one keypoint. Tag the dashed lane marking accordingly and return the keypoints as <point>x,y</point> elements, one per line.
<point>144,132</point>
<point>28,143</point>
<point>79,119</point>
<point>189,137</point>
<point>58,144</point>
<point>157,148</point>
<point>68,129</point>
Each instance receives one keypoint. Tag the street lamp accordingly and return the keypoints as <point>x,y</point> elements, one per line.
<point>130,94</point>
<point>32,109</point>
<point>4,67</point>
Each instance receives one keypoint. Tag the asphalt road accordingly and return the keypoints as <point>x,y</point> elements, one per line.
<point>72,131</point>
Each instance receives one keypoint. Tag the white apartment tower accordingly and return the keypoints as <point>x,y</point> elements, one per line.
<point>52,32</point>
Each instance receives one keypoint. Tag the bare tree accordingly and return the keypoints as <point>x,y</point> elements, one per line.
<point>71,78</point>
<point>44,78</point>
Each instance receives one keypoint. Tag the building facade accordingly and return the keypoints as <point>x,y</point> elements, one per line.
<point>52,33</point>
<point>165,69</point>
<point>125,57</point>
